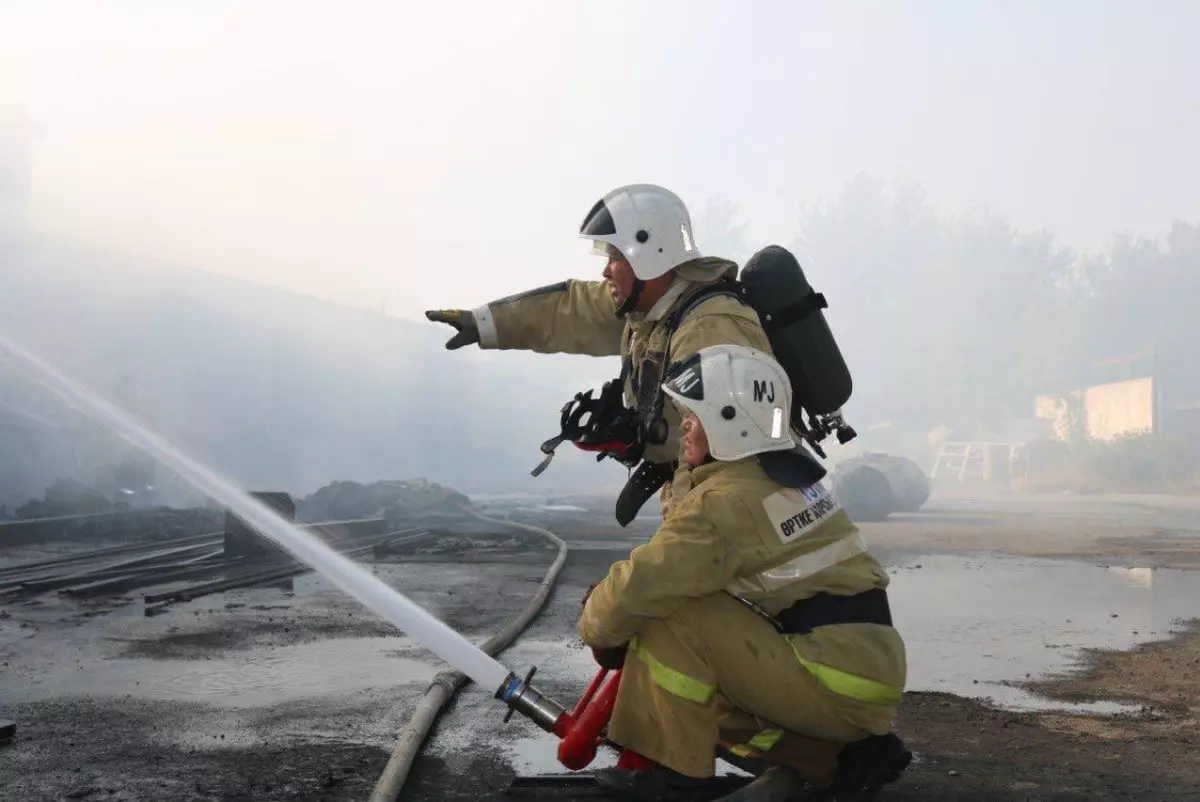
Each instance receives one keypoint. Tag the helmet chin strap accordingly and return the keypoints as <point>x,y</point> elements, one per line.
<point>631,300</point>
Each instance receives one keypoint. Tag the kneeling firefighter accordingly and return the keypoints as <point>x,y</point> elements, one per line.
<point>654,276</point>
<point>755,620</point>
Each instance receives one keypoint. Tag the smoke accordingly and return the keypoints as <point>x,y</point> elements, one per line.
<point>211,240</point>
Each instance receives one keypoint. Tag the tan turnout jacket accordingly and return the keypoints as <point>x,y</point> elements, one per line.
<point>737,530</point>
<point>579,317</point>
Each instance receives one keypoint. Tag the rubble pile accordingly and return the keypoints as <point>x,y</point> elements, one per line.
<point>393,499</point>
<point>65,497</point>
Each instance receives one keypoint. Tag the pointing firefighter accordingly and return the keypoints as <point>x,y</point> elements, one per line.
<point>654,308</point>
<point>756,620</point>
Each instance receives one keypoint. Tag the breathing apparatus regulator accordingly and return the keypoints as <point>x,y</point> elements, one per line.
<point>651,228</point>
<point>603,425</point>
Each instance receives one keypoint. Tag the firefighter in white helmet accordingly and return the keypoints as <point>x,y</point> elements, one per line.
<point>755,620</point>
<point>654,271</point>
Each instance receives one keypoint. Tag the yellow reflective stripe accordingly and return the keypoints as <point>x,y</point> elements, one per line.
<point>762,742</point>
<point>672,681</point>
<point>765,740</point>
<point>845,684</point>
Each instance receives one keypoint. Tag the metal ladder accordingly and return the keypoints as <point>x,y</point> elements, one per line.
<point>963,458</point>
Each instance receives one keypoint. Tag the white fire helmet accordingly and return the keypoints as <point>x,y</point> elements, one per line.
<point>648,224</point>
<point>742,397</point>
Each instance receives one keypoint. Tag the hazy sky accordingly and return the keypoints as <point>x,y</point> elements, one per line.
<point>444,155</point>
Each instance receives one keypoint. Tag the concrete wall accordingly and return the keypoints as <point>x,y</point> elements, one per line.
<point>1120,408</point>
<point>1108,409</point>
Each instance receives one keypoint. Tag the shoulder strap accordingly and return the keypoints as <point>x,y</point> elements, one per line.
<point>627,360</point>
<point>730,287</point>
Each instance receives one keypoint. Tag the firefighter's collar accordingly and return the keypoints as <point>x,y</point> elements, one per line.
<point>663,305</point>
<point>707,470</point>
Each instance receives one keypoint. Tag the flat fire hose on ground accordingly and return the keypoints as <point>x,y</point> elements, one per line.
<point>445,685</point>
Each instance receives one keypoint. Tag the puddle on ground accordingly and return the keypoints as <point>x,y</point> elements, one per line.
<point>251,679</point>
<point>971,625</point>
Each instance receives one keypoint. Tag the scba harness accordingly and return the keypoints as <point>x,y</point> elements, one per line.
<point>789,310</point>
<point>605,426</point>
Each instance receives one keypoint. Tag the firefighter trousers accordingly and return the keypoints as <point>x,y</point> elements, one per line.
<point>715,673</point>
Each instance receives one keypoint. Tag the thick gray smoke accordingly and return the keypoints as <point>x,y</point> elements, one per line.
<point>239,249</point>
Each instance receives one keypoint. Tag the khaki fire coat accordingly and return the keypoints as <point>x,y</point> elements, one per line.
<point>695,652</point>
<point>580,317</point>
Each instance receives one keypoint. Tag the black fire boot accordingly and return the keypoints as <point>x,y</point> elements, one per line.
<point>776,784</point>
<point>652,783</point>
<point>865,766</point>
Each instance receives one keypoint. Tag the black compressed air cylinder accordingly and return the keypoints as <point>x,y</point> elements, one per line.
<point>800,336</point>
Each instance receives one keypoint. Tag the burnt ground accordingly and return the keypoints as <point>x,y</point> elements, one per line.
<point>297,695</point>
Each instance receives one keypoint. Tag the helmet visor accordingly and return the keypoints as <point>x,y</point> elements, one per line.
<point>599,222</point>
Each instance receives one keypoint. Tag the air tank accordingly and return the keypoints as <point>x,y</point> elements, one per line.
<point>800,336</point>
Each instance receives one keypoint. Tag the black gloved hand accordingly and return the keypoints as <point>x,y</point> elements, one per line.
<point>462,320</point>
<point>612,659</point>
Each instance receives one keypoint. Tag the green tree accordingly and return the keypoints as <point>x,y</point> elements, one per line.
<point>959,319</point>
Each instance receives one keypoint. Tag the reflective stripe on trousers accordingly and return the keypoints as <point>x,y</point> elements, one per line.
<point>846,684</point>
<point>832,679</point>
<point>762,742</point>
<point>670,680</point>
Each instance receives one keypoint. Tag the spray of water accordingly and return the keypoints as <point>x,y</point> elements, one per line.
<point>341,571</point>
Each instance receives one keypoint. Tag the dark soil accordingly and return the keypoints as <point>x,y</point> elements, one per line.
<point>91,750</point>
<point>968,751</point>
<point>965,751</point>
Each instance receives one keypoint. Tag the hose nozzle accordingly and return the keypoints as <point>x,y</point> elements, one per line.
<point>522,698</point>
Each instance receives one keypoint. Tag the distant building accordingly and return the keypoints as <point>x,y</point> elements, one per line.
<point>1148,392</point>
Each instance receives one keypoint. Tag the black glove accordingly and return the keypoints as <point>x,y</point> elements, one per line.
<point>613,659</point>
<point>587,593</point>
<point>468,332</point>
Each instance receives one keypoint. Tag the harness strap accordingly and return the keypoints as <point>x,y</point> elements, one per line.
<point>825,609</point>
<point>730,287</point>
<point>642,484</point>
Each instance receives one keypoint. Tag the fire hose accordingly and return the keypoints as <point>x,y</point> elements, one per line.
<point>445,685</point>
<point>475,662</point>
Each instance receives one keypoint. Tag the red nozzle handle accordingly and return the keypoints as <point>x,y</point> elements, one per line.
<point>581,729</point>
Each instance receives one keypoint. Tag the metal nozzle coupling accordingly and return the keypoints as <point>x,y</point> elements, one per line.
<point>524,699</point>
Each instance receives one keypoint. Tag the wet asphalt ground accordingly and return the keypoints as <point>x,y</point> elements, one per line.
<point>297,694</point>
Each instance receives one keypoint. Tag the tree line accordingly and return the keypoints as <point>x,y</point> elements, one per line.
<point>963,319</point>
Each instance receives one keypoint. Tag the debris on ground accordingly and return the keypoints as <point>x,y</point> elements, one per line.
<point>394,499</point>
<point>296,694</point>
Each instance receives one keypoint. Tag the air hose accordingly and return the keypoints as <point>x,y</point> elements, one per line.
<point>446,684</point>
